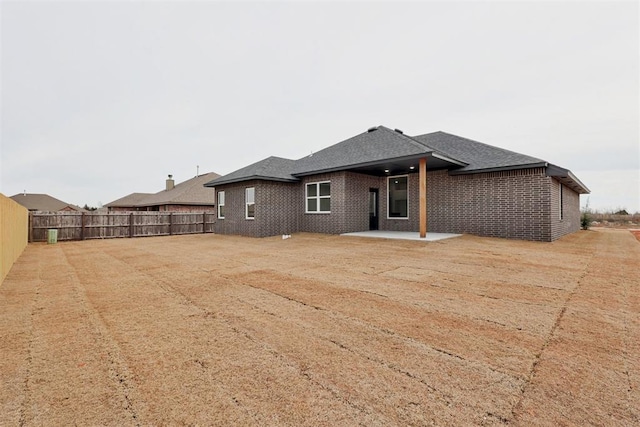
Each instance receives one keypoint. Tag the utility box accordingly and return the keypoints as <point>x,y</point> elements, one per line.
<point>52,236</point>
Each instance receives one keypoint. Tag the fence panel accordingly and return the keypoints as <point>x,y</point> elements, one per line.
<point>83,226</point>
<point>14,225</point>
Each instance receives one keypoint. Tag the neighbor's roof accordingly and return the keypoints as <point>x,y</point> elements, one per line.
<point>189,192</point>
<point>43,202</point>
<point>271,168</point>
<point>130,200</point>
<point>380,144</point>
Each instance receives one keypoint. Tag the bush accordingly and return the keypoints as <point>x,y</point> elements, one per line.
<point>585,217</point>
<point>585,220</point>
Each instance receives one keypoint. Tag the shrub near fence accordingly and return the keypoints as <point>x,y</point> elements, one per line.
<point>13,233</point>
<point>83,226</point>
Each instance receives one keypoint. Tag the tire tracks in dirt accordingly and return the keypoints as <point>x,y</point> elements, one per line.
<point>118,368</point>
<point>184,299</point>
<point>552,331</point>
<point>26,390</point>
<point>446,397</point>
<point>590,341</point>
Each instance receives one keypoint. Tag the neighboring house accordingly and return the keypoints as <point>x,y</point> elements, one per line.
<point>44,203</point>
<point>187,196</point>
<point>383,179</point>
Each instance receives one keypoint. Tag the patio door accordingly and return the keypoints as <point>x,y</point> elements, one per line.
<point>373,209</point>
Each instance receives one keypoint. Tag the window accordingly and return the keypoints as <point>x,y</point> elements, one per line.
<point>318,197</point>
<point>561,210</point>
<point>250,203</point>
<point>221,204</point>
<point>398,206</point>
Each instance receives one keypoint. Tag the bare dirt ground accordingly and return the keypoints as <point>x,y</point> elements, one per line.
<point>323,330</point>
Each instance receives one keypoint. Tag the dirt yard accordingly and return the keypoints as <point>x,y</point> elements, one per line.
<point>323,330</point>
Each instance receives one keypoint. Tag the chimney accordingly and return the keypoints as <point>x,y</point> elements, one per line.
<point>170,183</point>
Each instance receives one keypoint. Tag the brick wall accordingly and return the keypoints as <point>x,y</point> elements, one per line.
<point>187,208</point>
<point>512,204</point>
<point>277,209</point>
<point>570,221</point>
<point>357,188</point>
<point>331,223</point>
<point>412,222</point>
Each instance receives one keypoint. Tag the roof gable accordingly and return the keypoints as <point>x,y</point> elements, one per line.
<point>43,202</point>
<point>477,155</point>
<point>129,200</point>
<point>272,169</point>
<point>189,192</point>
<point>375,145</point>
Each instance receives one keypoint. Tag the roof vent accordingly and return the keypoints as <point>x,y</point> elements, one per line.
<point>372,129</point>
<point>399,131</point>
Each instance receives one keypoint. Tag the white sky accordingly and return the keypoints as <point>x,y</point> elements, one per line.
<point>102,99</point>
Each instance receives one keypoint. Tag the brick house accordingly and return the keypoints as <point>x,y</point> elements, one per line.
<point>383,179</point>
<point>187,196</point>
<point>44,203</point>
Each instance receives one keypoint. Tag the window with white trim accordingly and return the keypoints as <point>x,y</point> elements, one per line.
<point>398,206</point>
<point>318,197</point>
<point>250,203</point>
<point>220,204</point>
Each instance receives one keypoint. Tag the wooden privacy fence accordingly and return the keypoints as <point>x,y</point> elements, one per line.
<point>83,226</point>
<point>13,233</point>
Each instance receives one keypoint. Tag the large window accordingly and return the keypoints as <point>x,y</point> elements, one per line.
<point>318,197</point>
<point>250,203</point>
<point>398,206</point>
<point>221,204</point>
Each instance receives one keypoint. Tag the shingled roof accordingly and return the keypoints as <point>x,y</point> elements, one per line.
<point>376,145</point>
<point>271,169</point>
<point>383,148</point>
<point>44,203</point>
<point>189,192</point>
<point>132,199</point>
<point>477,155</point>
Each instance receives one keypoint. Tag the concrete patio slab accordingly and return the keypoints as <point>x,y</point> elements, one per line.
<point>402,235</point>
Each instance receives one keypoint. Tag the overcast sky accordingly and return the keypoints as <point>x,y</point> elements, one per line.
<point>102,99</point>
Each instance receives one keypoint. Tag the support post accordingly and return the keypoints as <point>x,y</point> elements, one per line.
<point>422,176</point>
<point>204,222</point>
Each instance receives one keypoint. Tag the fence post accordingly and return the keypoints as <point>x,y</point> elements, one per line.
<point>131,224</point>
<point>30,227</point>
<point>204,222</point>
<point>82,226</point>
<point>170,223</point>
